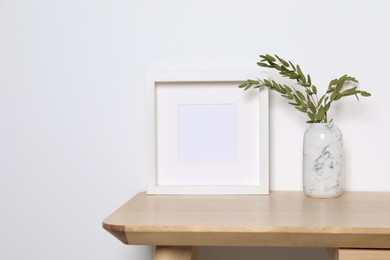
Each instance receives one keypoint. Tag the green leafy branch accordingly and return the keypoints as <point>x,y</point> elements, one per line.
<point>306,100</point>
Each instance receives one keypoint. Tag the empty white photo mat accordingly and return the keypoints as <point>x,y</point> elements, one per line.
<point>205,135</point>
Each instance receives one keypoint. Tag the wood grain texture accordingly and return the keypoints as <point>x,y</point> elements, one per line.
<point>176,253</point>
<point>355,220</point>
<point>363,254</point>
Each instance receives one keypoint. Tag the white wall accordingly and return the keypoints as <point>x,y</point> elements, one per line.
<point>72,103</point>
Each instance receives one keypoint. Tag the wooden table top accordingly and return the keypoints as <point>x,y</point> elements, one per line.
<point>355,220</point>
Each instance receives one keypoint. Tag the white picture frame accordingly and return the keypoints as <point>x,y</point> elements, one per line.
<point>205,135</point>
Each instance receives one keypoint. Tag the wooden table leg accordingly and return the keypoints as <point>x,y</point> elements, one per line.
<point>176,253</point>
<point>333,253</point>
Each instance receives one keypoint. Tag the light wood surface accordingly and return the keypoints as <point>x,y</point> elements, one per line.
<point>355,220</point>
<point>363,254</point>
<point>176,253</point>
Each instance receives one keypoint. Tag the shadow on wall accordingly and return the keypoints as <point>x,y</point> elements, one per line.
<point>252,253</point>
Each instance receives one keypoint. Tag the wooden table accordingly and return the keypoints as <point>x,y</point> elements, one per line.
<point>355,226</point>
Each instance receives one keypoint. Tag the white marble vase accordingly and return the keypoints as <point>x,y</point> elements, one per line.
<point>323,161</point>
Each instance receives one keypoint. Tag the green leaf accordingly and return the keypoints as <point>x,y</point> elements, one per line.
<point>311,106</point>
<point>303,78</point>
<point>365,94</point>
<point>262,64</point>
<point>276,66</point>
<point>330,90</point>
<point>300,95</point>
<point>296,98</point>
<point>314,89</point>
<point>253,81</point>
<point>267,82</point>
<point>302,109</point>
<point>248,86</point>
<point>306,85</point>
<point>294,76</point>
<point>309,80</point>
<point>263,57</point>
<point>285,63</point>
<point>276,85</point>
<point>287,88</point>
<point>321,99</point>
<point>282,91</point>
<point>242,85</point>
<point>332,82</point>
<point>287,96</point>
<point>270,58</point>
<point>321,113</point>
<point>327,107</point>
<point>311,116</point>
<point>349,92</point>
<point>338,96</point>
<point>292,65</point>
<point>340,83</point>
<point>334,94</point>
